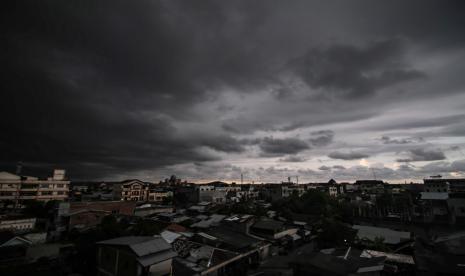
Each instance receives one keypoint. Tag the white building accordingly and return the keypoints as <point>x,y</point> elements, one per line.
<point>18,188</point>
<point>17,224</point>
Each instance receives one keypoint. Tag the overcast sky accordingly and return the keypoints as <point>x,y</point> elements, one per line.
<point>208,90</point>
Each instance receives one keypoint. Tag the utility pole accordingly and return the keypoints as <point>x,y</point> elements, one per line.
<point>242,179</point>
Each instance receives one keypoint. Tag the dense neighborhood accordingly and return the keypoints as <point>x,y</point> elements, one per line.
<point>173,227</point>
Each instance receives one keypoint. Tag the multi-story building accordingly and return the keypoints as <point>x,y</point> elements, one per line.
<point>370,186</point>
<point>157,194</point>
<point>436,185</point>
<point>17,223</point>
<point>134,190</point>
<point>19,188</point>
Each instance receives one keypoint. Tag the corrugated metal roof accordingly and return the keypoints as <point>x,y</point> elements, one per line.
<point>390,236</point>
<point>169,236</point>
<point>140,245</point>
<point>149,247</point>
<point>156,258</point>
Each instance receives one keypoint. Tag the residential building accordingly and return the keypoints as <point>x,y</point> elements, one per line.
<point>134,190</point>
<point>18,188</point>
<point>157,194</point>
<point>271,229</point>
<point>200,259</point>
<point>436,185</point>
<point>85,215</point>
<point>389,236</point>
<point>17,223</point>
<point>370,186</point>
<point>348,262</point>
<point>134,255</point>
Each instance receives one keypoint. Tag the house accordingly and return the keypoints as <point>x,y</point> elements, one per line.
<point>370,186</point>
<point>8,238</point>
<point>435,207</point>
<point>338,262</point>
<point>239,223</point>
<point>271,229</point>
<point>157,194</point>
<point>84,215</point>
<point>200,259</point>
<point>391,237</point>
<point>456,205</point>
<point>148,210</point>
<point>134,255</point>
<point>226,238</point>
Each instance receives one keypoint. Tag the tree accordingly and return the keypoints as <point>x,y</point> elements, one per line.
<point>167,200</point>
<point>333,233</point>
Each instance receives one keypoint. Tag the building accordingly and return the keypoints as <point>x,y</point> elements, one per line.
<point>274,192</point>
<point>370,186</point>
<point>456,204</point>
<point>17,223</point>
<point>271,229</point>
<point>338,262</point>
<point>199,259</point>
<point>213,194</point>
<point>389,236</point>
<point>133,190</point>
<point>84,215</point>
<point>157,194</point>
<point>436,185</point>
<point>18,188</point>
<point>134,255</point>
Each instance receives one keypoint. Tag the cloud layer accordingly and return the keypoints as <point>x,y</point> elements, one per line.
<point>118,89</point>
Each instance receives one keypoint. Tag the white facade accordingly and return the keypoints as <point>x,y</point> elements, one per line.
<point>17,224</point>
<point>17,188</point>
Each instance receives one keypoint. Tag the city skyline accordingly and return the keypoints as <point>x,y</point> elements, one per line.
<point>267,89</point>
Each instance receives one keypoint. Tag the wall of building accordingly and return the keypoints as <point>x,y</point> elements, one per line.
<point>20,224</point>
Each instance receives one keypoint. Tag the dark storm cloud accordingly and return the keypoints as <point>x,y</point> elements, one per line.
<point>275,146</point>
<point>423,154</point>
<point>80,76</point>
<point>107,87</point>
<point>411,123</point>
<point>293,158</point>
<point>388,140</point>
<point>322,138</point>
<point>224,144</point>
<point>444,167</point>
<point>347,155</point>
<point>349,71</point>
